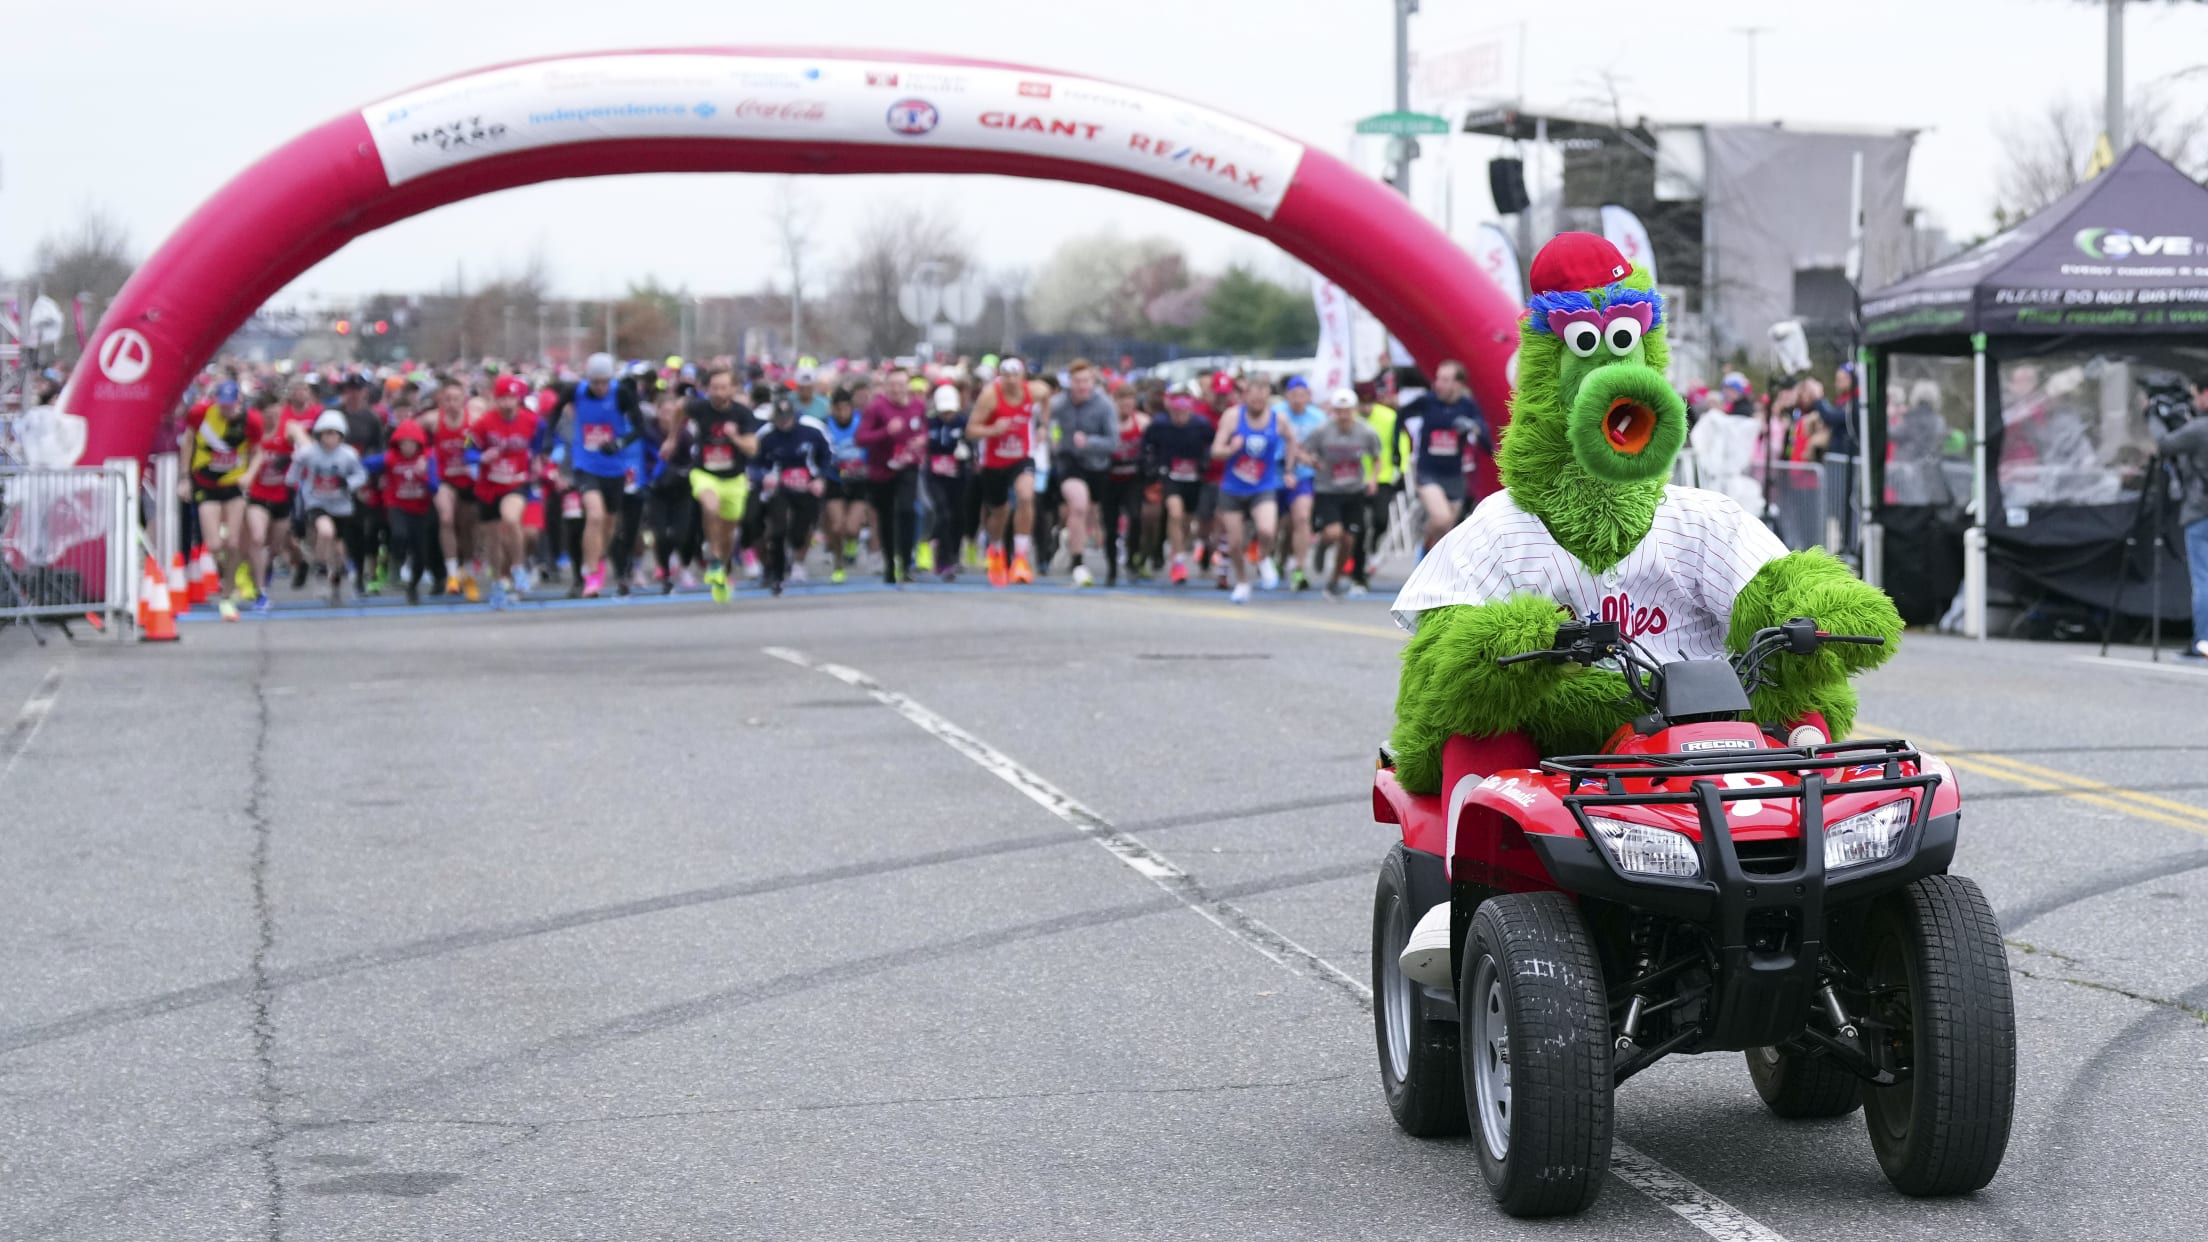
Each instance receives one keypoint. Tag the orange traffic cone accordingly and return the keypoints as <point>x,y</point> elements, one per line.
<point>179,587</point>
<point>210,577</point>
<point>146,578</point>
<point>160,624</point>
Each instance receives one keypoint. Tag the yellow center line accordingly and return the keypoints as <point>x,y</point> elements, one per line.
<point>2050,780</point>
<point>1979,763</point>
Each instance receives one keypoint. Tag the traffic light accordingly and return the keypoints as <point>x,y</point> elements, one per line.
<point>343,326</point>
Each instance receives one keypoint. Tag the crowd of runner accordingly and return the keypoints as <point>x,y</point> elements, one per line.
<point>488,481</point>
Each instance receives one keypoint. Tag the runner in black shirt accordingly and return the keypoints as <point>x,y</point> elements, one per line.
<point>1175,450</point>
<point>725,432</point>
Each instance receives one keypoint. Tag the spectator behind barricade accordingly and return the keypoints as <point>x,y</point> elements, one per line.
<point>1811,435</point>
<point>1846,410</point>
<point>2186,450</point>
<point>1739,400</point>
<point>1725,441</point>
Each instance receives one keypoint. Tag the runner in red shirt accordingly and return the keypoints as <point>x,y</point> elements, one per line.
<point>268,514</point>
<point>456,518</point>
<point>409,487</point>
<point>1003,422</point>
<point>506,434</point>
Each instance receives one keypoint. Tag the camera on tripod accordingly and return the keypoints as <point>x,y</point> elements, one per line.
<point>2169,399</point>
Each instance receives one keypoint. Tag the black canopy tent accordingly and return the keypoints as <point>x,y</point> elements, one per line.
<point>2117,268</point>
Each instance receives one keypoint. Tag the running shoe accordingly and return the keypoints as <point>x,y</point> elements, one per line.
<point>797,572</point>
<point>1296,576</point>
<point>1021,570</point>
<point>751,564</point>
<point>299,573</point>
<point>923,558</point>
<point>522,581</point>
<point>594,582</point>
<point>1268,575</point>
<point>1178,575</point>
<point>717,581</point>
<point>1241,594</point>
<point>413,590</point>
<point>997,574</point>
<point>1355,592</point>
<point>686,580</point>
<point>498,597</point>
<point>244,580</point>
<point>471,589</point>
<point>1082,577</point>
<point>452,584</point>
<point>228,609</point>
<point>836,575</point>
<point>946,575</point>
<point>262,605</point>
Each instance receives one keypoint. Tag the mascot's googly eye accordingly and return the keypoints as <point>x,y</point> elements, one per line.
<point>1621,335</point>
<point>1582,338</point>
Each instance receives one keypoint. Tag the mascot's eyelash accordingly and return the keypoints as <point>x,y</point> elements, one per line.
<point>1542,304</point>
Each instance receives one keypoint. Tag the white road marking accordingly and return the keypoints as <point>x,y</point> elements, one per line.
<point>1698,1207</point>
<point>2143,666</point>
<point>1251,931</point>
<point>28,720</point>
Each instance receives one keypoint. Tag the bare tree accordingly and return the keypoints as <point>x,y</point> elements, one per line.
<point>792,214</point>
<point>893,243</point>
<point>2044,155</point>
<point>94,257</point>
<point>1104,283</point>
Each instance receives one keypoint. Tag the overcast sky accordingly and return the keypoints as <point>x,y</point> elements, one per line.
<point>143,108</point>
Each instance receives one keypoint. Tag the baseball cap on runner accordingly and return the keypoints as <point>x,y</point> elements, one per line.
<point>330,420</point>
<point>1295,382</point>
<point>805,375</point>
<point>1011,366</point>
<point>1343,399</point>
<point>226,391</point>
<point>599,367</point>
<point>510,386</point>
<point>917,384</point>
<point>946,400</point>
<point>1221,382</point>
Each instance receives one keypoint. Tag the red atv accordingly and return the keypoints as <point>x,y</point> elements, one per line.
<point>1547,931</point>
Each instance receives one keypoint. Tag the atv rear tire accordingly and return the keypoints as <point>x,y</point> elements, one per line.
<point>1798,1086</point>
<point>1535,1033</point>
<point>1419,1068</point>
<point>1941,980</point>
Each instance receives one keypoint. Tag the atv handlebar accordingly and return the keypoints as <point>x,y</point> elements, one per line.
<point>1590,641</point>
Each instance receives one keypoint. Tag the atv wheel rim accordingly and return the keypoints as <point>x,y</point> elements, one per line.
<point>1395,992</point>
<point>1491,1049</point>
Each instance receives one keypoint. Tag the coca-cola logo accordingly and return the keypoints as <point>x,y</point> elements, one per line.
<point>781,110</point>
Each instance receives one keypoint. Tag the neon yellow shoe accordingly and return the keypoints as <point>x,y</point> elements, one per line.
<point>923,558</point>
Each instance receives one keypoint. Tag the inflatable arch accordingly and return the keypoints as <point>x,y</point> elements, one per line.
<point>762,110</point>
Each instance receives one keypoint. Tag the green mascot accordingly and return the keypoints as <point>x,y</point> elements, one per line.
<point>1586,526</point>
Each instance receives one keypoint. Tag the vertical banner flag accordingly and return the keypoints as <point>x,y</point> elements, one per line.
<point>76,306</point>
<point>1491,249</point>
<point>1334,363</point>
<point>1623,229</point>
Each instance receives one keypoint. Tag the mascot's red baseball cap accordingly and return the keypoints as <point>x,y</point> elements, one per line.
<point>1574,261</point>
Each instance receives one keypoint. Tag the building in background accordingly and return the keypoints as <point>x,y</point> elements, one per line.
<point>1749,223</point>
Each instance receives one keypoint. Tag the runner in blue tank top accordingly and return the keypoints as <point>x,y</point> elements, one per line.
<point>1254,442</point>
<point>597,420</point>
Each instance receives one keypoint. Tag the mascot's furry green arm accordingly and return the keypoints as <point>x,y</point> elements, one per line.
<point>1593,431</point>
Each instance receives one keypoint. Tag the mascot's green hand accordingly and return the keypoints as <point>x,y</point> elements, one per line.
<point>1451,683</point>
<point>1579,713</point>
<point>1811,583</point>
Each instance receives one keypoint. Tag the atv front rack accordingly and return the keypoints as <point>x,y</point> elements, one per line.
<point>1765,912</point>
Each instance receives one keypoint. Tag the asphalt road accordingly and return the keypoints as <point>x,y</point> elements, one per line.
<point>607,923</point>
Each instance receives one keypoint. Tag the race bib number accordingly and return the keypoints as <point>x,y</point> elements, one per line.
<point>1182,470</point>
<point>1347,472</point>
<point>1442,444</point>
<point>223,460</point>
<point>506,472</point>
<point>597,437</point>
<point>274,468</point>
<point>797,478</point>
<point>946,465</point>
<point>1012,444</point>
<point>1249,470</point>
<point>720,457</point>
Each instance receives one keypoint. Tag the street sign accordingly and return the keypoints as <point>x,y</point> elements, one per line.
<point>1403,124</point>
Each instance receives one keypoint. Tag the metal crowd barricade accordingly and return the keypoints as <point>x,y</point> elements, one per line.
<point>70,543</point>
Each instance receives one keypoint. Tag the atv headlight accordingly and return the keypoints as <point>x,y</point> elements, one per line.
<point>1868,837</point>
<point>1642,850</point>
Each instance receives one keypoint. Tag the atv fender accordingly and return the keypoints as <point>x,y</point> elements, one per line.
<point>1488,818</point>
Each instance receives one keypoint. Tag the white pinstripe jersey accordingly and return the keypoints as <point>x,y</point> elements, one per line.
<point>1674,592</point>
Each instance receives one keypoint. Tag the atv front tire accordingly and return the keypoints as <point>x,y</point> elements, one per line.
<point>1419,1069</point>
<point>1940,984</point>
<point>1536,1043</point>
<point>1799,1086</point>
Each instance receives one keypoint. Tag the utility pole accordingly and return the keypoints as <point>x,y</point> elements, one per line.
<point>1404,147</point>
<point>1750,33</point>
<point>2114,124</point>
